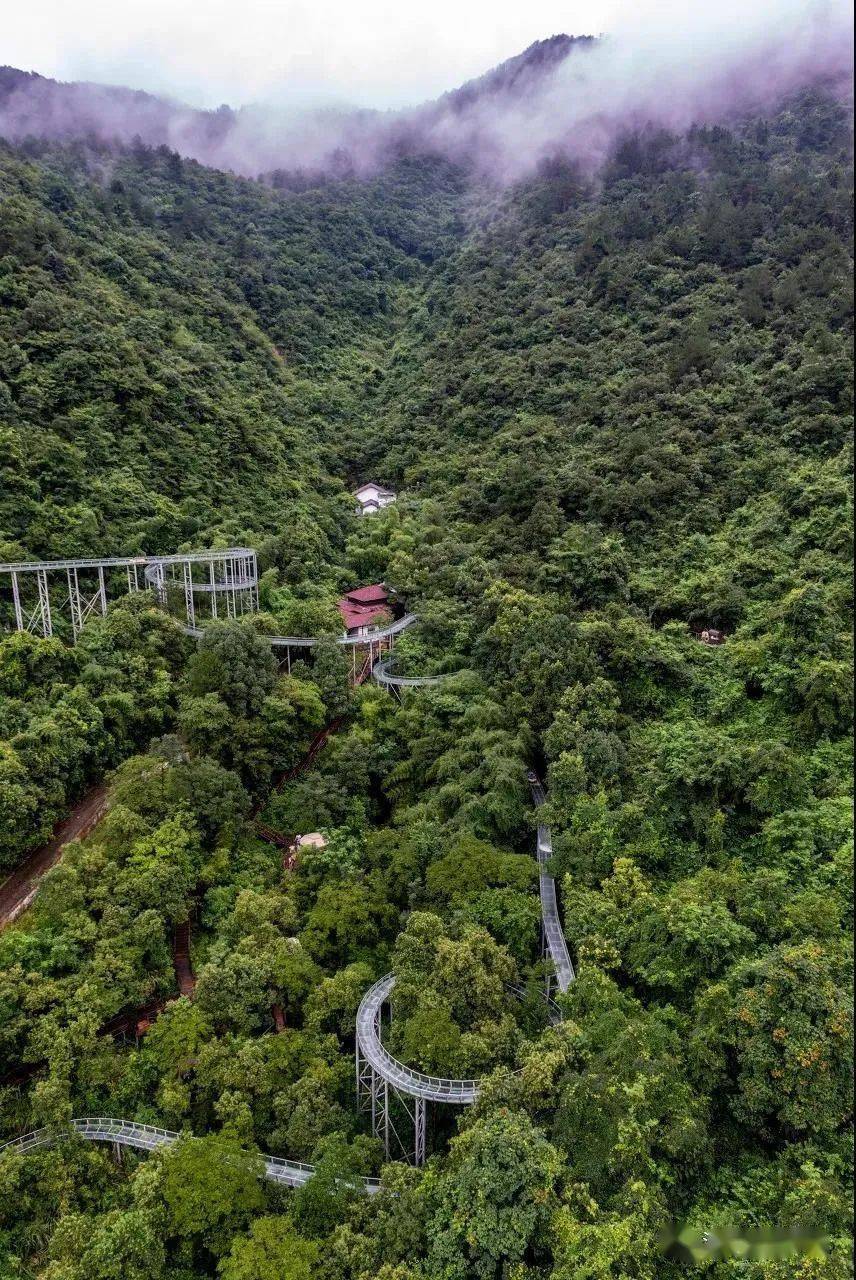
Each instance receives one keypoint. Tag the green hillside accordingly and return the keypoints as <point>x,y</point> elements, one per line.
<point>617,410</point>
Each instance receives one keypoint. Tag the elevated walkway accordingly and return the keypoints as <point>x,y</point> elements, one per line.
<point>382,674</point>
<point>378,1071</point>
<point>554,937</point>
<point>147,1137</point>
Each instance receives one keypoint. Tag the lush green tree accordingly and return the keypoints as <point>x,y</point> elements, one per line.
<point>208,1185</point>
<point>234,662</point>
<point>271,1250</point>
<point>495,1198</point>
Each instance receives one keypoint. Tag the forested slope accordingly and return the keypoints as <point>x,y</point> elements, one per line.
<point>182,355</point>
<point>178,343</point>
<point>616,409</point>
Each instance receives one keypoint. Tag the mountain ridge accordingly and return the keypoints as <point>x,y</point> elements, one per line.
<point>33,105</point>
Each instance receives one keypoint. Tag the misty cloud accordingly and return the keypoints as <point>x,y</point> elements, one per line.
<point>665,67</point>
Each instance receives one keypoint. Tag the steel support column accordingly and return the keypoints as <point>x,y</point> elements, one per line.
<point>44,608</point>
<point>419,1132</point>
<point>16,599</point>
<point>160,585</point>
<point>189,609</point>
<point>74,601</point>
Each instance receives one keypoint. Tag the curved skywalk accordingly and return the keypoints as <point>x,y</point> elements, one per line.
<point>382,674</point>
<point>147,1137</point>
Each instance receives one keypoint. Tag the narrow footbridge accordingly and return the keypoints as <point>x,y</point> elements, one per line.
<point>554,937</point>
<point>146,1137</point>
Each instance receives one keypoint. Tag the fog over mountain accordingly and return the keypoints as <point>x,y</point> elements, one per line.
<point>568,95</point>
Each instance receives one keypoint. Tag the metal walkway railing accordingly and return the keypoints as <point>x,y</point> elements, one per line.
<point>426,1088</point>
<point>147,1137</point>
<point>553,933</point>
<point>375,1066</point>
<point>382,675</point>
<point>406,1079</point>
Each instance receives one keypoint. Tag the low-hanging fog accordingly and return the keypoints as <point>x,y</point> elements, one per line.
<point>664,65</point>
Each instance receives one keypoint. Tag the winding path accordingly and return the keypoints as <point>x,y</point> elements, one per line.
<point>378,1071</point>
<point>232,576</point>
<point>146,1137</point>
<point>20,887</point>
<point>382,674</point>
<point>406,1079</point>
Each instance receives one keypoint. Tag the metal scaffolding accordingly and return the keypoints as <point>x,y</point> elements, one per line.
<point>43,591</point>
<point>375,1094</point>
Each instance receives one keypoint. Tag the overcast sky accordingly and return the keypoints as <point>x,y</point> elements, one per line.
<point>384,53</point>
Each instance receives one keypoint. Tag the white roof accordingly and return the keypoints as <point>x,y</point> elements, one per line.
<point>373,490</point>
<point>313,839</point>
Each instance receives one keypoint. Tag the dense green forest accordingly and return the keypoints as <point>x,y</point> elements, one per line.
<point>616,410</point>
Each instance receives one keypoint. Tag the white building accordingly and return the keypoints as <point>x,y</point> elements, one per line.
<point>371,497</point>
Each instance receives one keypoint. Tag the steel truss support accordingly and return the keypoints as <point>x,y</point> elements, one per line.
<point>374,1097</point>
<point>188,593</point>
<point>42,615</point>
<point>160,585</point>
<point>82,606</point>
<point>550,984</point>
<point>229,589</point>
<point>16,599</point>
<point>224,576</point>
<point>74,602</point>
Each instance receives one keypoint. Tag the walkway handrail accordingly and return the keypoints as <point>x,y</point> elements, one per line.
<point>415,1083</point>
<point>147,1137</point>
<point>371,637</point>
<point>381,674</point>
<point>306,642</point>
<point>555,938</point>
<point>79,562</point>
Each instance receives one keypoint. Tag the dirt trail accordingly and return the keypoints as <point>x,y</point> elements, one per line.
<point>181,960</point>
<point>18,891</point>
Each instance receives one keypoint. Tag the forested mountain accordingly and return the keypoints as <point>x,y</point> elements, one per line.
<point>616,408</point>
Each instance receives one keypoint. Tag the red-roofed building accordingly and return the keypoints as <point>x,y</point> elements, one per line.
<point>365,608</point>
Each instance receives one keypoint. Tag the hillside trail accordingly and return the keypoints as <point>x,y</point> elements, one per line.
<point>18,890</point>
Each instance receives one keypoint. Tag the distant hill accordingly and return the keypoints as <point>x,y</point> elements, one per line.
<point>517,76</point>
<point>572,95</point>
<point>256,139</point>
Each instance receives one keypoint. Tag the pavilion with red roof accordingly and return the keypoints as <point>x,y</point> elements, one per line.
<point>365,607</point>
